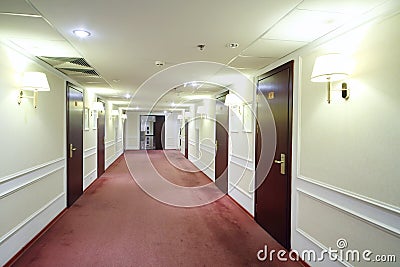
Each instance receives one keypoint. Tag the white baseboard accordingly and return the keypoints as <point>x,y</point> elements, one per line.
<point>89,179</point>
<point>22,234</point>
<point>113,158</point>
<point>242,198</point>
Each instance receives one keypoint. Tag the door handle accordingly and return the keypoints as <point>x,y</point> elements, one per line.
<point>216,145</point>
<point>71,150</point>
<point>282,162</point>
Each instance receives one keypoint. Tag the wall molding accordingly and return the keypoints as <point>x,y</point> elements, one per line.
<point>243,198</point>
<point>20,180</point>
<point>113,158</point>
<point>319,245</point>
<point>378,219</point>
<point>90,152</point>
<point>384,216</point>
<point>29,170</point>
<point>241,162</point>
<point>366,200</point>
<point>20,235</point>
<point>89,178</point>
<point>109,144</point>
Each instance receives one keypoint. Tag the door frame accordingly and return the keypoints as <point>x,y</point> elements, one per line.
<point>103,114</point>
<point>223,181</point>
<point>288,65</point>
<point>67,111</point>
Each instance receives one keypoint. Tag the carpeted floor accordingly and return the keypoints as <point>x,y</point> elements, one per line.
<point>115,223</point>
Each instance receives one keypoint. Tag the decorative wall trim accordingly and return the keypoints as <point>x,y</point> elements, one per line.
<point>208,148</point>
<point>388,224</point>
<point>241,157</point>
<point>359,197</point>
<point>319,245</point>
<point>21,234</point>
<point>377,215</point>
<point>29,170</point>
<point>25,178</point>
<point>241,197</point>
<point>89,178</point>
<point>109,144</point>
<point>90,152</point>
<point>113,158</point>
<point>241,162</point>
<point>241,190</point>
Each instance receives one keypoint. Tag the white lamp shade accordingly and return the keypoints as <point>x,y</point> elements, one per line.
<point>124,116</point>
<point>232,100</point>
<point>330,67</point>
<point>114,112</point>
<point>201,110</point>
<point>35,81</point>
<point>98,106</point>
<point>180,117</point>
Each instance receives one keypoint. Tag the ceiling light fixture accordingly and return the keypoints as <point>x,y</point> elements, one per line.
<point>127,96</point>
<point>232,45</point>
<point>81,33</point>
<point>201,46</point>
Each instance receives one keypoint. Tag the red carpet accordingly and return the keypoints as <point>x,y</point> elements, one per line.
<point>116,224</point>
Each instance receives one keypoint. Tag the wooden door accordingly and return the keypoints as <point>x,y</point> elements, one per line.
<point>274,194</point>
<point>100,142</point>
<point>187,140</point>
<point>74,144</point>
<point>222,136</point>
<point>159,136</point>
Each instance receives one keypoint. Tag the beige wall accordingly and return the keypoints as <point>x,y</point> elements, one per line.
<point>345,179</point>
<point>32,173</point>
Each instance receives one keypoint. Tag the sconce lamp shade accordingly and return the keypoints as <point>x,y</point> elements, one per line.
<point>124,116</point>
<point>98,106</point>
<point>114,112</point>
<point>35,81</point>
<point>180,117</point>
<point>232,100</point>
<point>201,110</point>
<point>330,67</point>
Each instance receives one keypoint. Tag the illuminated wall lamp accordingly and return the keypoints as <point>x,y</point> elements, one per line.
<point>329,68</point>
<point>33,81</point>
<point>232,100</point>
<point>202,111</point>
<point>180,117</point>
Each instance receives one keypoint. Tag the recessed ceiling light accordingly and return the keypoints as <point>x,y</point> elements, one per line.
<point>116,80</point>
<point>233,45</point>
<point>81,33</point>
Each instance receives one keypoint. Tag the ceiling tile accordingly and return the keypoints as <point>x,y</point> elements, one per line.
<point>256,63</point>
<point>352,7</point>
<point>17,7</point>
<point>272,48</point>
<point>306,25</point>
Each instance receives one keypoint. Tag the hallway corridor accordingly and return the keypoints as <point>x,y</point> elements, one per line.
<point>116,224</point>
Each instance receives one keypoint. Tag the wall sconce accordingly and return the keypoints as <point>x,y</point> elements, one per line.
<point>98,106</point>
<point>329,68</point>
<point>33,81</point>
<point>232,100</point>
<point>180,117</point>
<point>124,117</point>
<point>201,110</point>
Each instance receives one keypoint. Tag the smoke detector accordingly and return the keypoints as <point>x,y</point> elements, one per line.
<point>159,63</point>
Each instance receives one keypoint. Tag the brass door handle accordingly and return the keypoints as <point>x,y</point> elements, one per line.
<point>282,162</point>
<point>71,150</point>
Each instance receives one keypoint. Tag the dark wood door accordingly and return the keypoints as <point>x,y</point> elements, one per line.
<point>100,142</point>
<point>159,132</point>
<point>274,194</point>
<point>187,140</point>
<point>221,134</point>
<point>74,144</point>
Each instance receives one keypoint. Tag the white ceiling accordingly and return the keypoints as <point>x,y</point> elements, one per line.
<point>128,36</point>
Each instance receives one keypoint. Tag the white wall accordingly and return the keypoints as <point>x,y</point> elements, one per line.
<point>32,173</point>
<point>113,140</point>
<point>345,176</point>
